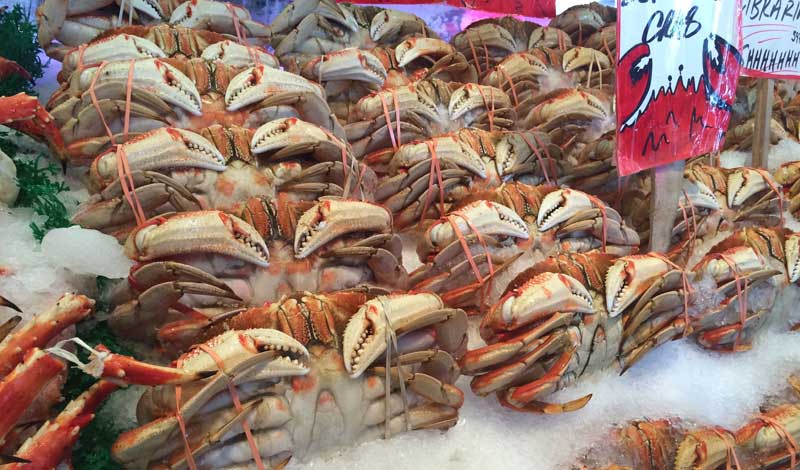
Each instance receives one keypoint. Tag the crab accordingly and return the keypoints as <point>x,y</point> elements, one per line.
<point>713,204</point>
<point>350,74</point>
<point>580,22</point>
<point>427,108</point>
<point>220,168</point>
<point>644,444</point>
<point>184,93</point>
<point>486,235</point>
<point>161,41</point>
<point>462,162</point>
<point>533,158</point>
<point>194,265</point>
<point>486,43</point>
<point>63,25</point>
<point>748,270</point>
<point>740,136</point>
<point>766,441</point>
<point>788,176</point>
<point>525,75</point>
<point>571,115</point>
<point>273,397</point>
<point>571,315</point>
<point>307,30</point>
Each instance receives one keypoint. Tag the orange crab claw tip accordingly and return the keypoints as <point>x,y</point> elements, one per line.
<point>4,302</point>
<point>182,331</point>
<point>6,459</point>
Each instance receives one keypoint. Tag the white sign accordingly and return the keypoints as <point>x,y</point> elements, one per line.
<point>771,35</point>
<point>677,68</point>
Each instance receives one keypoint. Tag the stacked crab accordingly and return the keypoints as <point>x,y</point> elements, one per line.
<point>767,441</point>
<point>262,197</point>
<point>573,314</point>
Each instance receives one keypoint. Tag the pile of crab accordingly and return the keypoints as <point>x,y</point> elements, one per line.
<point>267,197</point>
<point>766,441</point>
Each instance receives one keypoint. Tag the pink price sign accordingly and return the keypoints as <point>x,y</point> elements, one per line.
<point>771,36</point>
<point>534,8</point>
<point>678,63</point>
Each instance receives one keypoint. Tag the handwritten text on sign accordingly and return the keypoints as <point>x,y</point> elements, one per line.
<point>677,69</point>
<point>771,33</point>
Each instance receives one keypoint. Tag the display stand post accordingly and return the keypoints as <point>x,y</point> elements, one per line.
<point>761,131</point>
<point>667,182</point>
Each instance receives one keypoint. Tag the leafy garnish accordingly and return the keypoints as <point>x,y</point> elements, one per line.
<point>39,187</point>
<point>18,43</point>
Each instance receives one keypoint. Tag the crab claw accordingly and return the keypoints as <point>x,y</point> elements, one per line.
<point>166,147</point>
<point>558,206</point>
<point>448,149</point>
<point>744,183</point>
<point>539,298</point>
<point>238,55</point>
<point>4,302</point>
<point>414,48</point>
<point>745,259</point>
<point>628,278</point>
<point>347,64</point>
<point>792,250</point>
<point>153,75</point>
<point>259,82</point>
<point>292,136</point>
<point>488,218</point>
<point>332,218</point>
<point>389,23</point>
<point>119,47</point>
<point>234,347</point>
<point>217,16</point>
<point>197,232</point>
<point>369,329</point>
<point>294,13</point>
<point>584,56</point>
<point>699,195</point>
<point>473,96</point>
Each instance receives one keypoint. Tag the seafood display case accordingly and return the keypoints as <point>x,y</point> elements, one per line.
<point>288,234</point>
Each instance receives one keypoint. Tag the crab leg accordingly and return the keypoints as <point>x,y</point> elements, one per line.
<point>110,209</point>
<point>18,389</point>
<point>27,115</point>
<point>42,329</point>
<point>53,442</point>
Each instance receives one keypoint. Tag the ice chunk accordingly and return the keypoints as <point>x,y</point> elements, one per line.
<point>8,180</point>
<point>85,251</point>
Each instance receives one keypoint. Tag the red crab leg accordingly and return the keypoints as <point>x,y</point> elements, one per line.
<point>26,114</point>
<point>9,68</point>
<point>69,310</point>
<point>19,388</point>
<point>131,371</point>
<point>54,440</point>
